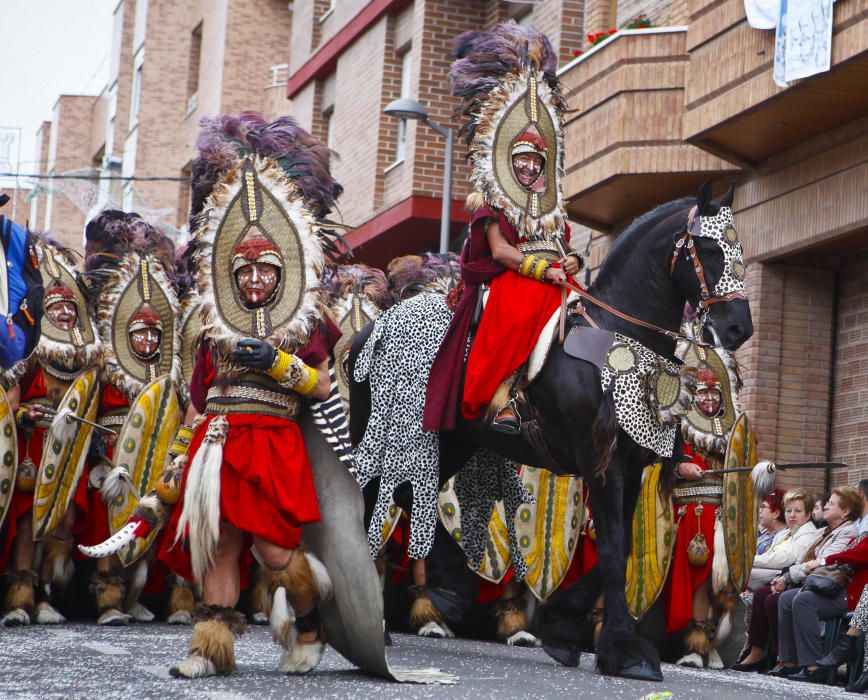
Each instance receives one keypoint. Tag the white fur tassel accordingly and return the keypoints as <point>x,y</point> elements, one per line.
<point>63,430</point>
<point>282,620</point>
<point>114,486</point>
<point>719,565</point>
<point>724,627</point>
<point>200,517</point>
<point>763,476</point>
<point>323,580</point>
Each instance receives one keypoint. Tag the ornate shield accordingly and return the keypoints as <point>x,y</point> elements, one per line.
<point>548,531</point>
<point>393,517</point>
<point>653,538</point>
<point>497,558</point>
<point>354,315</point>
<point>740,504</point>
<point>8,455</point>
<point>142,448</point>
<point>191,326</point>
<point>63,462</point>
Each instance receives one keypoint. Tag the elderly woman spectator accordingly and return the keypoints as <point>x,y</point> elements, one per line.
<point>800,611</point>
<point>789,549</point>
<point>771,521</point>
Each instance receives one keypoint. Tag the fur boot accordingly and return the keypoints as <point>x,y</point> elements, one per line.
<point>57,567</point>
<point>20,603</point>
<point>425,618</point>
<point>109,588</point>
<point>212,646</point>
<point>137,577</point>
<point>297,591</point>
<point>182,602</point>
<point>697,643</point>
<point>261,599</point>
<point>512,624</point>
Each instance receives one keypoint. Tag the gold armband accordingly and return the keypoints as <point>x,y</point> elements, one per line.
<point>182,441</point>
<point>534,267</point>
<point>293,373</point>
<point>19,415</point>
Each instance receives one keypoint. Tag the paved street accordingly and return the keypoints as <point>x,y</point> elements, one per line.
<point>84,661</point>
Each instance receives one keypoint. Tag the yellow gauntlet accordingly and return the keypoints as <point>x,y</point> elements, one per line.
<point>182,441</point>
<point>292,373</point>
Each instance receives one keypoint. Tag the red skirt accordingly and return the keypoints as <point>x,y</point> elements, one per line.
<point>266,485</point>
<point>684,579</point>
<point>517,310</point>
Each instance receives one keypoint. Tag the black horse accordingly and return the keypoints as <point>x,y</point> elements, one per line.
<point>641,277</point>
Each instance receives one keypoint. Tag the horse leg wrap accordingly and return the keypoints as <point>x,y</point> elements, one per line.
<point>182,602</point>
<point>20,602</point>
<point>109,588</point>
<point>212,646</point>
<point>423,611</point>
<point>697,645</point>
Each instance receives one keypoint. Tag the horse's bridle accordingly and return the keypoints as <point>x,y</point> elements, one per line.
<point>687,243</point>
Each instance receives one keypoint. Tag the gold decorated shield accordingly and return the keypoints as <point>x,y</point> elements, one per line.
<point>548,530</point>
<point>142,448</point>
<point>653,536</point>
<point>351,320</point>
<point>740,503</point>
<point>8,455</point>
<point>497,556</point>
<point>63,462</point>
<point>390,524</point>
<point>191,326</point>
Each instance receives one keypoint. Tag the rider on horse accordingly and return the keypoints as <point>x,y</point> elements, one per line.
<point>518,232</point>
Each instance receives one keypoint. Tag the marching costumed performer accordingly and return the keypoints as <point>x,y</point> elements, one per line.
<point>513,107</point>
<point>130,266</point>
<point>258,190</point>
<point>68,346</point>
<point>714,547</point>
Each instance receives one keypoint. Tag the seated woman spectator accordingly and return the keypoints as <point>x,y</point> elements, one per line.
<point>799,611</point>
<point>800,535</point>
<point>844,650</point>
<point>772,524</point>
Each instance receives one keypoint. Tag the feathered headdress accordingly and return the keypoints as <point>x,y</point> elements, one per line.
<point>252,179</point>
<point>511,103</point>
<point>410,275</point>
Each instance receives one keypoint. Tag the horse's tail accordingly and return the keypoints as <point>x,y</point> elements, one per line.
<point>605,434</point>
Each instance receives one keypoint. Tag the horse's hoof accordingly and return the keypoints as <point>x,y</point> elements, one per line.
<point>566,657</point>
<point>643,671</point>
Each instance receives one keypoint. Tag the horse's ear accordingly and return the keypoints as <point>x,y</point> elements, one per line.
<point>726,200</point>
<point>703,197</point>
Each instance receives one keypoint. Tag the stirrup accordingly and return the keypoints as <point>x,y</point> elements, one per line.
<point>510,424</point>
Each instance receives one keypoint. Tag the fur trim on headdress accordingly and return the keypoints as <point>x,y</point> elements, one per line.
<point>410,275</point>
<point>492,72</point>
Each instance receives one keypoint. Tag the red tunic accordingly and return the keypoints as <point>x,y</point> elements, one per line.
<point>684,580</point>
<point>266,483</point>
<point>518,307</point>
<point>33,387</point>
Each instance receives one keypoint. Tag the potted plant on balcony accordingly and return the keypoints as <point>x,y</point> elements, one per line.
<point>640,21</point>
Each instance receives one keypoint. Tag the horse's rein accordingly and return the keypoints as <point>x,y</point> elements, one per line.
<point>706,299</point>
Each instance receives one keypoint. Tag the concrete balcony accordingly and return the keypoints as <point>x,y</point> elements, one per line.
<point>734,107</point>
<point>624,147</point>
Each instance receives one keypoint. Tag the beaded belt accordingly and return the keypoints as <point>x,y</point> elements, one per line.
<point>250,399</point>
<point>543,249</point>
<point>705,493</point>
<point>110,419</point>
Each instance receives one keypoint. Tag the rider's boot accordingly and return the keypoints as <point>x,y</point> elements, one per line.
<point>507,420</point>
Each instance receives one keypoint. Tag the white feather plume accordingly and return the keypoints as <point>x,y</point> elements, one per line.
<point>114,485</point>
<point>763,476</point>
<point>63,430</point>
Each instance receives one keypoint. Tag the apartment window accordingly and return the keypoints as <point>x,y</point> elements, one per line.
<point>406,68</point>
<point>193,68</point>
<point>326,7</point>
<point>137,96</point>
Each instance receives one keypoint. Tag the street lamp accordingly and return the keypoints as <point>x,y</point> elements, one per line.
<point>405,108</point>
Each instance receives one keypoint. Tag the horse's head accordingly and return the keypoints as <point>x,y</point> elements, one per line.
<point>708,268</point>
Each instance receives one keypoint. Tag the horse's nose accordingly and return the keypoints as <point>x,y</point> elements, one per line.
<point>737,333</point>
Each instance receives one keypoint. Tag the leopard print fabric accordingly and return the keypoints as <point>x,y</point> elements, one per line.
<point>397,359</point>
<point>628,364</point>
<point>721,229</point>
